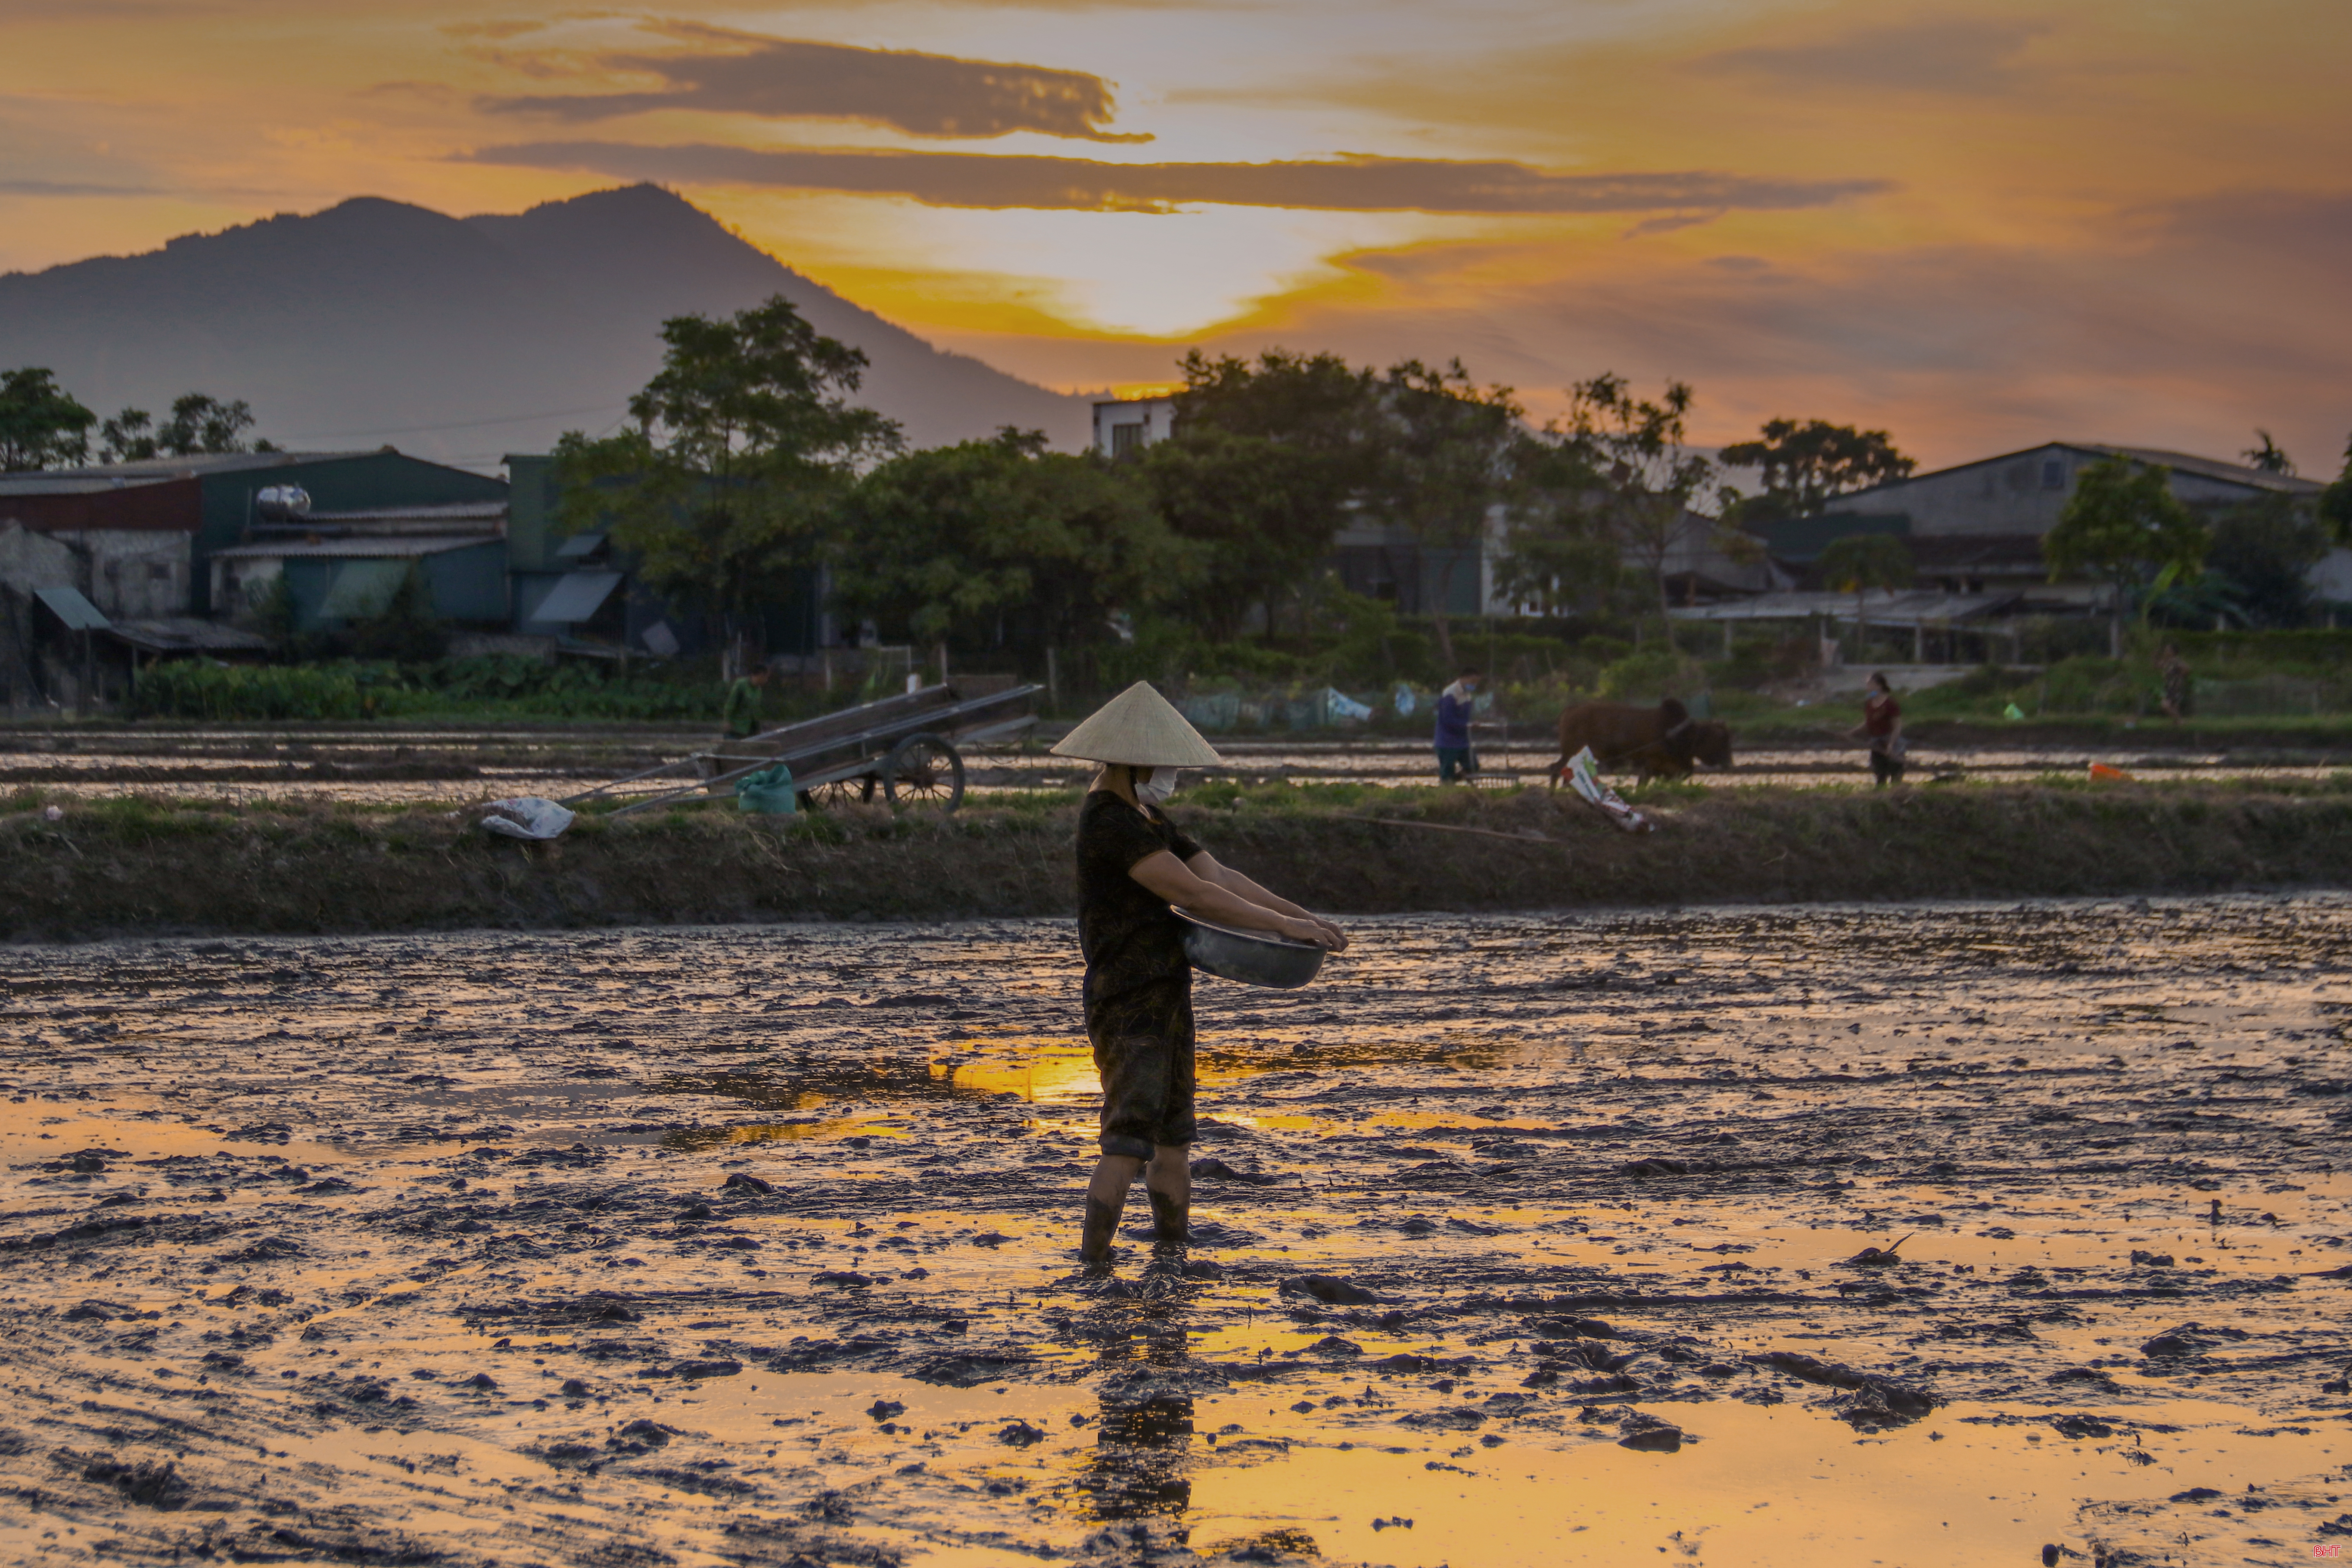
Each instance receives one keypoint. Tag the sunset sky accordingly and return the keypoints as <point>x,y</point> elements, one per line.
<point>1982,225</point>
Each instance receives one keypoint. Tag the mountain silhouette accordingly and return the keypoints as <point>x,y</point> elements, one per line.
<point>459,339</point>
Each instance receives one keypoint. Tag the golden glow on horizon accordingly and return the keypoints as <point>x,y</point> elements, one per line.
<point>2109,220</point>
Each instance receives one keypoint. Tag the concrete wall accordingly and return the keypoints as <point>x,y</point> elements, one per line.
<point>141,575</point>
<point>130,574</point>
<point>1154,417</point>
<point>30,560</point>
<point>2332,578</point>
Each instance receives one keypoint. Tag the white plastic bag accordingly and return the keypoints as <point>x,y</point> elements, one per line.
<point>1583,779</point>
<point>530,816</point>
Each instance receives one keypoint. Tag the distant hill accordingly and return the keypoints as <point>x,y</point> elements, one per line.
<point>459,339</point>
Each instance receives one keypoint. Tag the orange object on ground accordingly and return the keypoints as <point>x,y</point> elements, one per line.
<point>2102,771</point>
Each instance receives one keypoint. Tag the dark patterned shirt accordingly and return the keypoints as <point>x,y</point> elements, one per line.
<point>1128,937</point>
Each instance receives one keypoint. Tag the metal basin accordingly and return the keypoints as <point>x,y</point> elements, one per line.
<point>1249,957</point>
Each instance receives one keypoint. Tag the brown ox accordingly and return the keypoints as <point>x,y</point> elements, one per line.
<point>1663,741</point>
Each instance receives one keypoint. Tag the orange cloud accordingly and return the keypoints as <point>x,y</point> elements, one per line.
<point>1973,220</point>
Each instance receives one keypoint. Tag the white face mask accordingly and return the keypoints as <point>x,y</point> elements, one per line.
<point>1155,789</point>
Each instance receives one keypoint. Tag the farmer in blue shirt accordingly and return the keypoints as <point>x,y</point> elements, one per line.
<point>1454,752</point>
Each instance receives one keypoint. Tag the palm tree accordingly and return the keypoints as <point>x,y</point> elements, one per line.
<point>1861,562</point>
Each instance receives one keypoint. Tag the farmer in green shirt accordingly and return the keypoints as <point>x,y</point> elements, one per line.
<point>743,703</point>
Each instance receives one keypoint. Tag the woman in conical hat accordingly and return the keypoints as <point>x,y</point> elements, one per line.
<point>1133,863</point>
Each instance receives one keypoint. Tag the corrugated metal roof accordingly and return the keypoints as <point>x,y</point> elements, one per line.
<point>379,545</point>
<point>180,467</point>
<point>1883,606</point>
<point>2182,462</point>
<point>186,634</point>
<point>2214,468</point>
<point>55,484</point>
<point>67,604</point>
<point>576,596</point>
<point>445,511</point>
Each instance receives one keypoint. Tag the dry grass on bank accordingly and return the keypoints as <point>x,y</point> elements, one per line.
<point>140,866</point>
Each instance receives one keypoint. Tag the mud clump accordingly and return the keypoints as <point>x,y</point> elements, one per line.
<point>1329,1290</point>
<point>145,1482</point>
<point>1874,1400</point>
<point>1647,1434</point>
<point>1218,1171</point>
<point>2188,1339</point>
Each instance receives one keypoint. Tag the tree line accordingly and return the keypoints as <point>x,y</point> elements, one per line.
<point>747,462</point>
<point>43,425</point>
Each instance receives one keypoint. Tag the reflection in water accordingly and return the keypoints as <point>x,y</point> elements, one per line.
<point>762,1088</point>
<point>1041,1071</point>
<point>1141,1462</point>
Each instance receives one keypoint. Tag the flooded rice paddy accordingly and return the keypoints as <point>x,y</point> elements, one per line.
<point>1521,1241</point>
<point>450,768</point>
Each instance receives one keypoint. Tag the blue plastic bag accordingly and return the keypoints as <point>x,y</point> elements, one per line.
<point>768,792</point>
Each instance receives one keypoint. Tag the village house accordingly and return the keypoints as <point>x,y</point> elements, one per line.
<point>105,564</point>
<point>1977,528</point>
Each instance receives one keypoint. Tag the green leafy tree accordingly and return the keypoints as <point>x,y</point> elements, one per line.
<point>2263,550</point>
<point>1804,464</point>
<point>744,442</point>
<point>1553,564</point>
<point>1622,470</point>
<point>2124,524</point>
<point>41,425</point>
<point>1262,512</point>
<point>129,438</point>
<point>1004,543</point>
<point>1442,458</point>
<point>1557,559</point>
<point>403,629</point>
<point>1419,447</point>
<point>1267,460</point>
<point>2268,456</point>
<point>1317,403</point>
<point>200,425</point>
<point>1861,562</point>
<point>2336,502</point>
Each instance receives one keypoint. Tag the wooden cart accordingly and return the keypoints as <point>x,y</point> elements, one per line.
<point>904,748</point>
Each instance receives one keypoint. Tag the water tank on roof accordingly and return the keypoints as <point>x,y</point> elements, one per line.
<point>281,503</point>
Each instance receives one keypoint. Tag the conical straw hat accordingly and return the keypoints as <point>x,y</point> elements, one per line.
<point>1140,728</point>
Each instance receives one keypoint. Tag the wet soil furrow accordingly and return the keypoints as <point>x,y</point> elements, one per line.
<point>622,1247</point>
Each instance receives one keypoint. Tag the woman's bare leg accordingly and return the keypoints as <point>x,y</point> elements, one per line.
<point>1105,1196</point>
<point>1168,1181</point>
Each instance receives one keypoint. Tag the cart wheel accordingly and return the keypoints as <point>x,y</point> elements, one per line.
<point>840,791</point>
<point>924,771</point>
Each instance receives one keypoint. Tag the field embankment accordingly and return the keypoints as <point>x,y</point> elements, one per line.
<point>135,865</point>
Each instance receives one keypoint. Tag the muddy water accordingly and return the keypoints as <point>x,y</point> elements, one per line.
<point>1531,1245</point>
<point>453,768</point>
